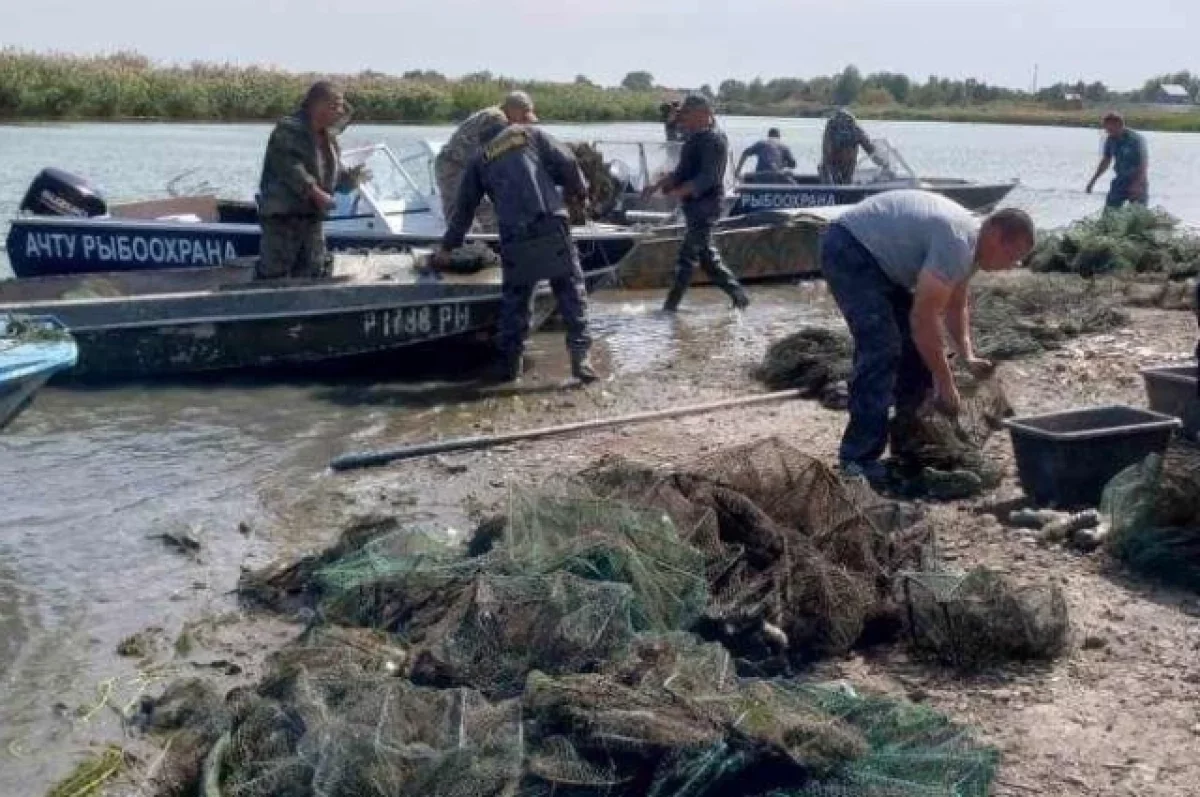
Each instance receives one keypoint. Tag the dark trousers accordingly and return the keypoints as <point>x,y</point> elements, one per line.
<point>292,246</point>
<point>888,370</point>
<point>516,309</point>
<point>697,248</point>
<point>1118,194</point>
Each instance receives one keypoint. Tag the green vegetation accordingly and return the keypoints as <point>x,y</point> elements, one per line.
<point>128,86</point>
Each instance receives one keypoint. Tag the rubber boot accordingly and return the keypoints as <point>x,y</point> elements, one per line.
<point>739,298</point>
<point>506,369</point>
<point>582,368</point>
<point>675,296</point>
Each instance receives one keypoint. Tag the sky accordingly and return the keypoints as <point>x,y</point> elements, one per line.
<point>683,44</point>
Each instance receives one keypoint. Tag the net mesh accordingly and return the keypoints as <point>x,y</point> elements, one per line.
<point>594,642</point>
<point>1154,512</point>
<point>982,618</point>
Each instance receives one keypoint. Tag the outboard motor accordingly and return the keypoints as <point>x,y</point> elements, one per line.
<point>57,193</point>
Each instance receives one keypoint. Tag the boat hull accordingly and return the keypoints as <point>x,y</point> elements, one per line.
<point>772,252</point>
<point>273,328</point>
<point>41,246</point>
<point>980,198</point>
<point>25,366</point>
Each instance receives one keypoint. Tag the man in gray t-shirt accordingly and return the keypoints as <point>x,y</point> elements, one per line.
<point>899,264</point>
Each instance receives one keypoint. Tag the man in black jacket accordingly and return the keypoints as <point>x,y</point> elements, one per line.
<point>699,183</point>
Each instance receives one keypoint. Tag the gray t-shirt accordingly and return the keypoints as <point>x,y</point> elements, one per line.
<point>909,231</point>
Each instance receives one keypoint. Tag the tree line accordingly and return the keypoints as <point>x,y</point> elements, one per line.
<point>129,86</point>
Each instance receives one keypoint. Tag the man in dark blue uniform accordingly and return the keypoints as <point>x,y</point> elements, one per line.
<point>519,169</point>
<point>771,155</point>
<point>699,183</point>
<point>1125,150</point>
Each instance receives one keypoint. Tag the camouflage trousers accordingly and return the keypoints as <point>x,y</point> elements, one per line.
<point>449,176</point>
<point>516,311</point>
<point>292,246</point>
<point>838,171</point>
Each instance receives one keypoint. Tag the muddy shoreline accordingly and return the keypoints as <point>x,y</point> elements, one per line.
<point>1118,715</point>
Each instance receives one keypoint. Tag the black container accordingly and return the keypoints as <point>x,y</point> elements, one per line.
<point>1172,390</point>
<point>1065,459</point>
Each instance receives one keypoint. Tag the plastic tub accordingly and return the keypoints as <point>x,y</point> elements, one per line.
<point>1171,390</point>
<point>1065,459</point>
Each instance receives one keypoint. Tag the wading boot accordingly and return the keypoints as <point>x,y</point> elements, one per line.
<point>506,369</point>
<point>671,305</point>
<point>740,300</point>
<point>582,368</point>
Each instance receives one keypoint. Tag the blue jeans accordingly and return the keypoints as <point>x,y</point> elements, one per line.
<point>887,367</point>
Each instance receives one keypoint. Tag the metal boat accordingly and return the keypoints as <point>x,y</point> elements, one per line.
<point>32,350</point>
<point>133,325</point>
<point>786,191</point>
<point>634,165</point>
<point>66,226</point>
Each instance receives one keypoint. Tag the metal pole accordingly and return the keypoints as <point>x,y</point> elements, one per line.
<point>376,458</point>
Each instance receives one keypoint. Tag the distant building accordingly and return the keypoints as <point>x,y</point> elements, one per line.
<point>1072,100</point>
<point>1173,94</point>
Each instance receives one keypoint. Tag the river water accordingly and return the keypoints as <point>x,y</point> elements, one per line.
<point>88,477</point>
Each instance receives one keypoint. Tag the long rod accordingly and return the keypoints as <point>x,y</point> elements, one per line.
<point>376,458</point>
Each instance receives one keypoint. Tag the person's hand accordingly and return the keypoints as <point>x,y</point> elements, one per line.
<point>649,190</point>
<point>1137,190</point>
<point>360,174</point>
<point>979,367</point>
<point>946,399</point>
<point>680,192</point>
<point>320,198</point>
<point>1090,186</point>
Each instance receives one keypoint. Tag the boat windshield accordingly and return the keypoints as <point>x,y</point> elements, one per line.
<point>396,180</point>
<point>893,169</point>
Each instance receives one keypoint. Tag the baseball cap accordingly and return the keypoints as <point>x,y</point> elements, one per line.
<point>521,101</point>
<point>696,101</point>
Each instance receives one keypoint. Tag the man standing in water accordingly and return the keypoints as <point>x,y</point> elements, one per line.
<point>520,168</point>
<point>898,265</point>
<point>771,155</point>
<point>302,170</point>
<point>839,148</point>
<point>699,183</point>
<point>1127,150</point>
<point>452,160</point>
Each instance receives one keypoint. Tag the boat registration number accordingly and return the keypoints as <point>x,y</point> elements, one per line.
<point>418,322</point>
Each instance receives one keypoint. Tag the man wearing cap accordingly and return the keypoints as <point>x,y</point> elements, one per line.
<point>520,168</point>
<point>452,160</point>
<point>1127,150</point>
<point>699,183</point>
<point>771,155</point>
<point>839,148</point>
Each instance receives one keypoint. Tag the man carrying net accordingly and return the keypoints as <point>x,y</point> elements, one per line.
<point>898,265</point>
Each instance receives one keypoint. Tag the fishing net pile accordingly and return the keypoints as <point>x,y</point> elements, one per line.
<point>607,637</point>
<point>1019,315</point>
<point>1128,241</point>
<point>604,192</point>
<point>1153,510</point>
